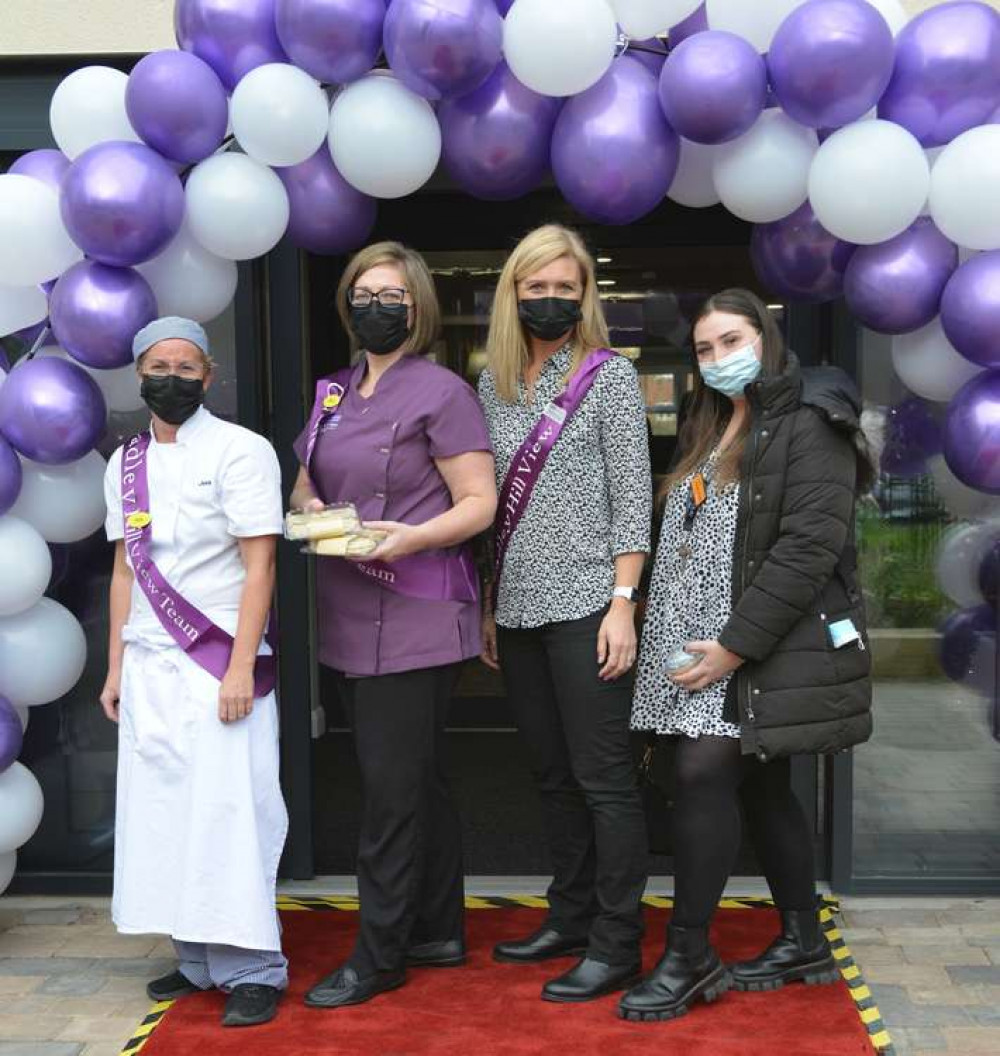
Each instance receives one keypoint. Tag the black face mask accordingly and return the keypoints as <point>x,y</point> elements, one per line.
<point>380,330</point>
<point>171,398</point>
<point>548,318</point>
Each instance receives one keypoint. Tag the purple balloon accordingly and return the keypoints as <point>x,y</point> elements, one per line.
<point>971,433</point>
<point>896,286</point>
<point>51,410</point>
<point>946,78</point>
<point>613,154</point>
<point>913,434</point>
<point>830,62</point>
<point>178,105</point>
<point>967,648</point>
<point>652,57</point>
<point>11,734</point>
<point>496,140</point>
<point>97,310</point>
<point>970,309</point>
<point>49,166</point>
<point>232,36</point>
<point>713,87</point>
<point>328,215</point>
<point>10,476</point>
<point>443,48</point>
<point>122,203</point>
<point>334,40</point>
<point>696,22</point>
<point>798,259</point>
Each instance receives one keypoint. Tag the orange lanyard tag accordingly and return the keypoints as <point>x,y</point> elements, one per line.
<point>699,490</point>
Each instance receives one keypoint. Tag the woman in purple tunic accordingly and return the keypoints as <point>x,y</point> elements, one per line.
<point>408,445</point>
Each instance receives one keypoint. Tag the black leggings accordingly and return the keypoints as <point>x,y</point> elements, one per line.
<point>712,780</point>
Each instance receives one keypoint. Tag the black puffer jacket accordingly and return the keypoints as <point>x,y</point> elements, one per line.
<point>794,570</point>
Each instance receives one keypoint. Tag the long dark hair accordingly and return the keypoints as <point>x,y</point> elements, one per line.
<point>709,412</point>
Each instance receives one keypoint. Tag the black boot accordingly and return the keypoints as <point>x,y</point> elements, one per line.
<point>690,970</point>
<point>589,979</point>
<point>799,954</point>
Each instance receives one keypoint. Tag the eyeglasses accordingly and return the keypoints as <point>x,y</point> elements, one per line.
<point>390,297</point>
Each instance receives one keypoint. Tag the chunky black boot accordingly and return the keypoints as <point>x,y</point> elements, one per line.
<point>690,970</point>
<point>799,954</point>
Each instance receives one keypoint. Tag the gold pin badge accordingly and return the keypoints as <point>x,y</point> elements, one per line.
<point>331,401</point>
<point>141,519</point>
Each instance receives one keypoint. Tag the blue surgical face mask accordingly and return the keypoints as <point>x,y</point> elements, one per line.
<point>733,374</point>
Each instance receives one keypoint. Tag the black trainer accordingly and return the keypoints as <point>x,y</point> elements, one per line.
<point>250,1004</point>
<point>346,987</point>
<point>590,979</point>
<point>799,954</point>
<point>170,987</point>
<point>541,945</point>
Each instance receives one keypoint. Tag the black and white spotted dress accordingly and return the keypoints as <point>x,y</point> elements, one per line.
<point>689,600</point>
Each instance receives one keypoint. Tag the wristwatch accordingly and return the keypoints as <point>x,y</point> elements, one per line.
<point>628,593</point>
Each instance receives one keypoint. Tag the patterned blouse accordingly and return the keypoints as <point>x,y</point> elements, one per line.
<point>592,501</point>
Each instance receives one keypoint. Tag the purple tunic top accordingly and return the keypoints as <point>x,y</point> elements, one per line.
<point>379,454</point>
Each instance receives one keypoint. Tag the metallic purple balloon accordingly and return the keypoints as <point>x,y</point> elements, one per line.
<point>49,166</point>
<point>830,62</point>
<point>895,287</point>
<point>713,87</point>
<point>971,433</point>
<point>443,48</point>
<point>970,309</point>
<point>613,154</point>
<point>913,434</point>
<point>798,259</point>
<point>947,74</point>
<point>177,103</point>
<point>97,310</point>
<point>697,22</point>
<point>334,40</point>
<point>653,55</point>
<point>496,140</point>
<point>51,410</point>
<point>232,36</point>
<point>11,734</point>
<point>967,648</point>
<point>10,476</point>
<point>328,215</point>
<point>122,203</point>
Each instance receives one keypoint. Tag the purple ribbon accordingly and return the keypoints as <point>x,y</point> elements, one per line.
<point>529,461</point>
<point>432,576</point>
<point>206,644</point>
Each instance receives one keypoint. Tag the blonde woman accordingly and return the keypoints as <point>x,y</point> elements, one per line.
<point>568,427</point>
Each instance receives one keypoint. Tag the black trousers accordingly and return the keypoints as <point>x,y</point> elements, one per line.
<point>410,876</point>
<point>576,731</point>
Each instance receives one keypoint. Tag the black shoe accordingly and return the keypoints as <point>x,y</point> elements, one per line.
<point>250,1004</point>
<point>799,954</point>
<point>170,987</point>
<point>541,946</point>
<point>590,979</point>
<point>447,954</point>
<point>689,971</point>
<point>346,987</point>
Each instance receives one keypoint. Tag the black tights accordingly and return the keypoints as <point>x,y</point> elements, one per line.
<point>712,780</point>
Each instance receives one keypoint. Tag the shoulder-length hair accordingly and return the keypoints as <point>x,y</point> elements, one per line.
<point>419,283</point>
<point>709,412</point>
<point>507,345</point>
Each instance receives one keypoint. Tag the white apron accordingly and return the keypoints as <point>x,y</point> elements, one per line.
<point>200,819</point>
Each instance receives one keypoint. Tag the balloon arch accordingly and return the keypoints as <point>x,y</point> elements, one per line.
<point>864,148</point>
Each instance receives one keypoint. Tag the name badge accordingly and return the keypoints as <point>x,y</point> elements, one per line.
<point>842,633</point>
<point>557,414</point>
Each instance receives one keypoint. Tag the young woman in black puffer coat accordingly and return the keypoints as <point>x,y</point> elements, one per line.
<point>754,646</point>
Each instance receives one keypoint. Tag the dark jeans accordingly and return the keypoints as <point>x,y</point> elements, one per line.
<point>576,730</point>
<point>410,877</point>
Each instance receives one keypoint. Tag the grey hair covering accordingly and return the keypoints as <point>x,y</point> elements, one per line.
<point>171,326</point>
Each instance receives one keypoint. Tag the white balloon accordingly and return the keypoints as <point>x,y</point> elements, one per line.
<point>34,243</point>
<point>757,21</point>
<point>8,865</point>
<point>23,803</point>
<point>928,364</point>
<point>559,48</point>
<point>372,112</point>
<point>960,553</point>
<point>965,189</point>
<point>88,107</point>
<point>869,182</point>
<point>642,19</point>
<point>63,503</point>
<point>280,114</point>
<point>21,306</point>
<point>763,175</point>
<point>694,185</point>
<point>25,566</point>
<point>120,386</point>
<point>959,499</point>
<point>237,208</point>
<point>189,281</point>
<point>42,654</point>
<point>893,12</point>
<point>22,714</point>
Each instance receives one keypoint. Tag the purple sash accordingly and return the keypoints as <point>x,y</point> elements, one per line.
<point>432,576</point>
<point>527,464</point>
<point>208,646</point>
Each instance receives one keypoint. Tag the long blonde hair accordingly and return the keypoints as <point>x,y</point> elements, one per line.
<point>507,345</point>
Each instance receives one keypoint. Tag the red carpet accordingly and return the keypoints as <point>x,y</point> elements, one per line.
<point>486,1009</point>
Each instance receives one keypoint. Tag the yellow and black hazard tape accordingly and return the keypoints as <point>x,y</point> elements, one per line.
<point>861,995</point>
